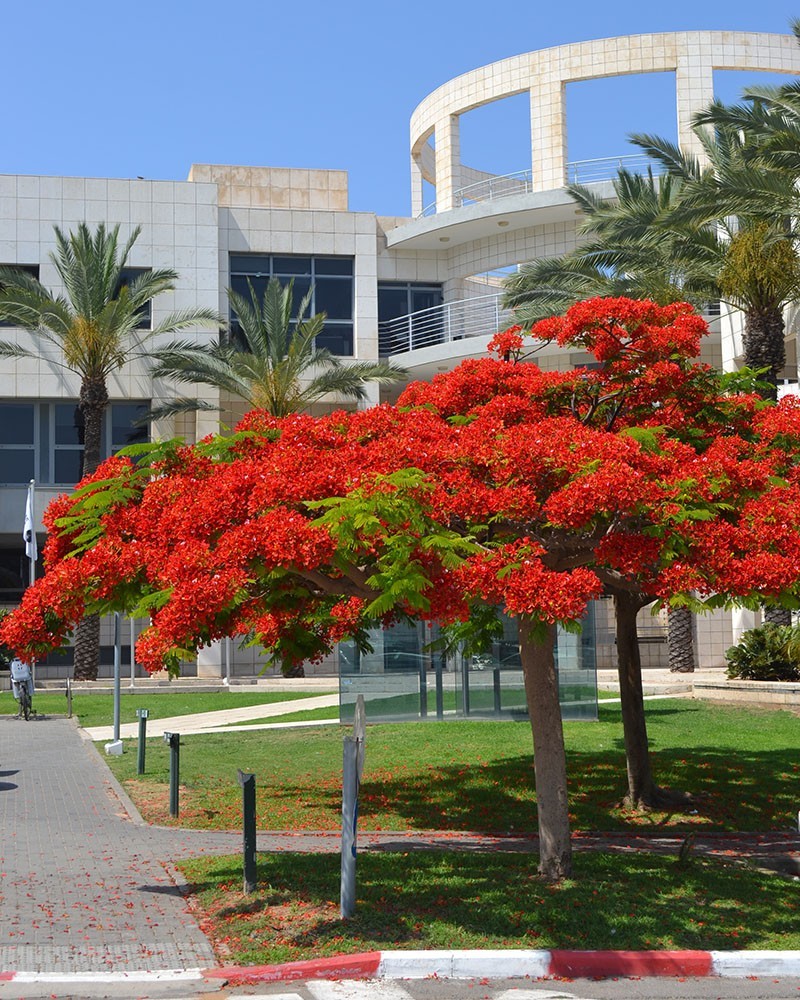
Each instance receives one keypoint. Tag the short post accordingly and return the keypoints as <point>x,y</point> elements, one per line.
<point>439,688</point>
<point>498,707</point>
<point>141,715</point>
<point>248,783</point>
<point>174,741</point>
<point>117,664</point>
<point>423,688</point>
<point>352,767</point>
<point>69,698</point>
<point>115,746</point>
<point>464,683</point>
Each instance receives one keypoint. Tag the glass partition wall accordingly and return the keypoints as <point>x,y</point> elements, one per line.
<point>402,679</point>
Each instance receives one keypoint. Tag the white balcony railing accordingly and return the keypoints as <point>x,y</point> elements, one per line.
<point>479,316</point>
<point>521,181</point>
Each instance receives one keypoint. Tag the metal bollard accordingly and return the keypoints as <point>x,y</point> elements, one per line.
<point>174,740</point>
<point>141,715</point>
<point>69,698</point>
<point>248,783</point>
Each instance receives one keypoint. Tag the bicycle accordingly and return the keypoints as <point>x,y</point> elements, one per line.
<point>22,686</point>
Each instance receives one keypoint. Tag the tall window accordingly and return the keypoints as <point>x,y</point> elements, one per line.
<point>329,278</point>
<point>31,269</point>
<point>399,299</point>
<point>44,441</point>
<point>126,278</point>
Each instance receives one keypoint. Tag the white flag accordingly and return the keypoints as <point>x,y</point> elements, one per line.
<point>29,531</point>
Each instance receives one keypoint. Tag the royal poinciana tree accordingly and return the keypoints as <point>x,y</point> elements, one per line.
<point>497,486</point>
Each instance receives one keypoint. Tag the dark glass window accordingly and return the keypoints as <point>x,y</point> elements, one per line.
<point>32,269</point>
<point>398,299</point>
<point>329,279</point>
<point>17,443</point>
<point>14,573</point>
<point>45,441</point>
<point>126,278</point>
<point>124,428</point>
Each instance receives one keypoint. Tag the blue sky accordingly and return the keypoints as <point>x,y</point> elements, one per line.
<point>147,88</point>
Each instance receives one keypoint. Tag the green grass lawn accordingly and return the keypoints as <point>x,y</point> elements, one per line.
<point>741,764</point>
<point>98,709</point>
<point>437,900</point>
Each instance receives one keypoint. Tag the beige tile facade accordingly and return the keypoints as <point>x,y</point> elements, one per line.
<point>195,225</point>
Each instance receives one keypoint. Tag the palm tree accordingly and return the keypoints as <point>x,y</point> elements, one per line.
<point>92,330</point>
<point>630,246</point>
<point>271,363</point>
<point>746,203</point>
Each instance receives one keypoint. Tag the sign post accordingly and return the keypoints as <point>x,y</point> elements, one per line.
<point>352,768</point>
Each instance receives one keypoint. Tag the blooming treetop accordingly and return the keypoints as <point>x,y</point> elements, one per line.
<point>497,483</point>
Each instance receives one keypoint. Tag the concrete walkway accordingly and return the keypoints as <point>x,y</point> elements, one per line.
<point>217,721</point>
<point>82,888</point>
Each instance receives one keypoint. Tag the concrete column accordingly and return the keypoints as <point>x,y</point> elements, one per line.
<point>548,133</point>
<point>416,190</point>
<point>211,660</point>
<point>694,90</point>
<point>448,163</point>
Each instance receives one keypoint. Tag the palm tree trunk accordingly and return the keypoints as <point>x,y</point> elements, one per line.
<point>92,403</point>
<point>680,641</point>
<point>549,755</point>
<point>764,346</point>
<point>775,615</point>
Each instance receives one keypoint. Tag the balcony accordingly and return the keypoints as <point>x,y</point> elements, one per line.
<point>479,316</point>
<point>587,172</point>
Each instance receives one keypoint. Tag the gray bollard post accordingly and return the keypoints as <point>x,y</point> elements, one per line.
<point>117,661</point>
<point>352,766</point>
<point>248,783</point>
<point>141,715</point>
<point>69,698</point>
<point>174,740</point>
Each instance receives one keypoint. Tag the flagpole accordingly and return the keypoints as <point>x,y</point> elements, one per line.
<point>33,548</point>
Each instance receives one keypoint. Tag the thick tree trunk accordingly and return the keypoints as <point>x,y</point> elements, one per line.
<point>92,404</point>
<point>549,755</point>
<point>775,615</point>
<point>680,640</point>
<point>642,790</point>
<point>764,346</point>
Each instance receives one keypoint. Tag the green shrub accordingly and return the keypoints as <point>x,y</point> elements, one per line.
<point>761,655</point>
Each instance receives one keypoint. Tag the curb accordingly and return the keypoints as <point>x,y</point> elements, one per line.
<point>511,964</point>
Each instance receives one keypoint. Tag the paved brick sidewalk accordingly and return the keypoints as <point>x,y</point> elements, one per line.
<point>81,886</point>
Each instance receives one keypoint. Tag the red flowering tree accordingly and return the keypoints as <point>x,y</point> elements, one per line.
<point>498,485</point>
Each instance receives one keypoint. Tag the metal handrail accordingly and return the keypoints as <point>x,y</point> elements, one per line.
<point>481,315</point>
<point>518,182</point>
<point>478,316</point>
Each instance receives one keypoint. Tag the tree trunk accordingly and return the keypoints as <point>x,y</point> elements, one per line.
<point>764,347</point>
<point>642,789</point>
<point>643,792</point>
<point>92,403</point>
<point>775,615</point>
<point>680,640</point>
<point>549,755</point>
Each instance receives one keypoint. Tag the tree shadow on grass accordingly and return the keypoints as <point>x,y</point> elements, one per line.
<point>746,791</point>
<point>462,901</point>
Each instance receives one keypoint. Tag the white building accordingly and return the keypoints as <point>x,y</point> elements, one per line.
<point>422,289</point>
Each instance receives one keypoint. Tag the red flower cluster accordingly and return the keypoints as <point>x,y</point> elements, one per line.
<point>496,483</point>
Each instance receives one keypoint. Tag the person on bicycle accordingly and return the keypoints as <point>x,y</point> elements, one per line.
<point>22,686</point>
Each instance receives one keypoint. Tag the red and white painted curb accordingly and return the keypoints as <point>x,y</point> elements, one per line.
<point>511,964</point>
<point>477,964</point>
